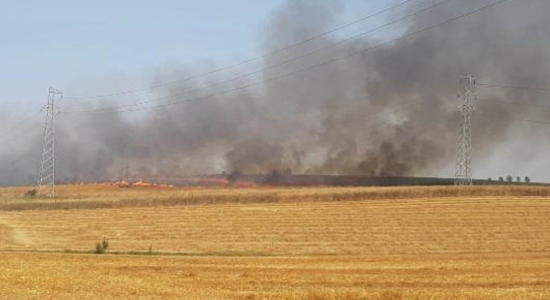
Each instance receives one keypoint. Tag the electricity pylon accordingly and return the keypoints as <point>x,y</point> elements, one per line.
<point>463,170</point>
<point>46,183</point>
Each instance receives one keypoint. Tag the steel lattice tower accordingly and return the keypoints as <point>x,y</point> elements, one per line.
<point>46,183</point>
<point>463,170</point>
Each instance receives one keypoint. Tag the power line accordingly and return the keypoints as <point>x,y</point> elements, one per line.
<point>297,58</point>
<point>514,87</point>
<point>362,51</point>
<point>493,115</point>
<point>379,121</point>
<point>516,103</point>
<point>320,35</point>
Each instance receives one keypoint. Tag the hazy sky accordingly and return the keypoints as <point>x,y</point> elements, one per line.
<point>60,43</point>
<point>54,43</point>
<point>96,47</point>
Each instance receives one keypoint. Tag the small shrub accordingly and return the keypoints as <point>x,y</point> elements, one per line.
<point>101,247</point>
<point>105,244</point>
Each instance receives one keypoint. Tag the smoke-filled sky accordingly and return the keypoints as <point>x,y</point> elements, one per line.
<point>388,110</point>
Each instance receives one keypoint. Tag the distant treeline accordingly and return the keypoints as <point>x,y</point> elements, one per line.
<point>283,179</point>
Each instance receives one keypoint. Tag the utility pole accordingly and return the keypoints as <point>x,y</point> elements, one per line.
<point>463,170</point>
<point>46,183</point>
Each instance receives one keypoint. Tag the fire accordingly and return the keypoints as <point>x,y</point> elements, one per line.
<point>142,184</point>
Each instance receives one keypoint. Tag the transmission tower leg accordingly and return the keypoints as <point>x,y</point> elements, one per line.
<point>463,169</point>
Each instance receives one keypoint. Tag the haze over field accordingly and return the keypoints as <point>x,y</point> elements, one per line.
<point>390,111</point>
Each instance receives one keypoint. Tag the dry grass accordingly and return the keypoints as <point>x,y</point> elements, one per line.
<point>308,243</point>
<point>108,196</point>
<point>429,225</point>
<point>442,277</point>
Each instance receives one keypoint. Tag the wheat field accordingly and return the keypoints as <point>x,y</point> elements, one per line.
<point>277,243</point>
<point>393,277</point>
<point>446,225</point>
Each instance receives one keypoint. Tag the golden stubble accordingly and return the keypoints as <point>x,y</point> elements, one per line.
<point>278,243</point>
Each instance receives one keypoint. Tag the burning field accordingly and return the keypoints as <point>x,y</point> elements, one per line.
<point>331,166</point>
<point>389,112</point>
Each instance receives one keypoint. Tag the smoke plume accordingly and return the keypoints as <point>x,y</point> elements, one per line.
<point>392,110</point>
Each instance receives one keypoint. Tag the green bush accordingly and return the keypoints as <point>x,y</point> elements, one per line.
<point>102,247</point>
<point>99,248</point>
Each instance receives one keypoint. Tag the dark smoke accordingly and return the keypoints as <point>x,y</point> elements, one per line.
<point>392,111</point>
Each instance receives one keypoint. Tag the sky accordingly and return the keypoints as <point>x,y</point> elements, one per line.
<point>95,47</point>
<point>56,43</point>
<point>65,43</point>
<point>88,48</point>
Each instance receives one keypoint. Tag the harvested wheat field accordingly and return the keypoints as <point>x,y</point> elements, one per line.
<point>277,243</point>
<point>487,277</point>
